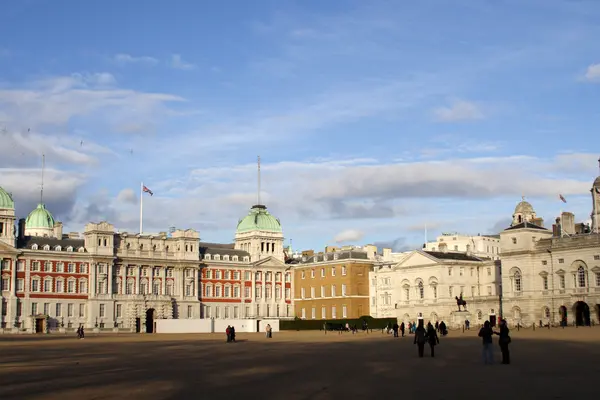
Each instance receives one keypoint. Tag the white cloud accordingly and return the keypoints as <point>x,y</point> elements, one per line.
<point>129,59</point>
<point>593,73</point>
<point>55,101</point>
<point>459,111</point>
<point>349,235</point>
<point>178,63</point>
<point>127,196</point>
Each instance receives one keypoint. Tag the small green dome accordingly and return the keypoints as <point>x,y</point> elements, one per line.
<point>39,218</point>
<point>6,200</point>
<point>258,219</point>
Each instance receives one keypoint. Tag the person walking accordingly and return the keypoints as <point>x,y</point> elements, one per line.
<point>420,338</point>
<point>485,333</point>
<point>432,338</point>
<point>402,328</point>
<point>504,340</point>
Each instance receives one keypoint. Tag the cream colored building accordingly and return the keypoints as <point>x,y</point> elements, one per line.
<point>486,246</point>
<point>551,276</point>
<point>425,284</point>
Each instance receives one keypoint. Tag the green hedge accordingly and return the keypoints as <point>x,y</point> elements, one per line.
<point>333,324</point>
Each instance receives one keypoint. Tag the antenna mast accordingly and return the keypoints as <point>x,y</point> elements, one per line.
<point>42,187</point>
<point>258,194</point>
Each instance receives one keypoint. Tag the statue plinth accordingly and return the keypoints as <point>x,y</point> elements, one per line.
<point>459,318</point>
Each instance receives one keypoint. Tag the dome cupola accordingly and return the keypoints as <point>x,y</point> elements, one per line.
<point>6,200</point>
<point>40,222</point>
<point>259,219</point>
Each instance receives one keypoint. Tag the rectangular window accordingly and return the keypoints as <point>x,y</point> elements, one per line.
<point>5,284</point>
<point>60,286</point>
<point>322,291</point>
<point>35,266</point>
<point>343,290</point>
<point>312,292</point>
<point>60,267</point>
<point>313,314</point>
<point>71,286</point>
<point>561,281</point>
<point>344,311</point>
<point>312,273</point>
<point>344,271</point>
<point>102,311</point>
<point>450,291</point>
<point>71,268</point>
<point>20,285</point>
<point>489,271</point>
<point>332,271</point>
<point>47,308</point>
<point>333,294</point>
<point>303,274</point>
<point>323,313</point>
<point>236,312</point>
<point>450,271</point>
<point>247,291</point>
<point>34,309</point>
<point>303,313</point>
<point>47,285</point>
<point>288,292</point>
<point>70,309</point>
<point>119,310</point>
<point>21,265</point>
<point>58,310</point>
<point>545,282</point>
<point>190,311</point>
<point>489,290</point>
<point>236,292</point>
<point>303,293</point>
<point>35,285</point>
<point>322,272</point>
<point>333,313</point>
<point>82,310</point>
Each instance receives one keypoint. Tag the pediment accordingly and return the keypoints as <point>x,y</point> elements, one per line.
<point>4,248</point>
<point>269,262</point>
<point>416,259</point>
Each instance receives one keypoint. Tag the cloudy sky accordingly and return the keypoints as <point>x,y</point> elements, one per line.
<point>372,119</point>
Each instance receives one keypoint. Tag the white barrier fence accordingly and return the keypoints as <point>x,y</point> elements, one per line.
<point>214,325</point>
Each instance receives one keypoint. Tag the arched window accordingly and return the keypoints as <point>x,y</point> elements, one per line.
<point>581,277</point>
<point>421,290</point>
<point>517,282</point>
<point>479,315</point>
<point>406,292</point>
<point>546,312</point>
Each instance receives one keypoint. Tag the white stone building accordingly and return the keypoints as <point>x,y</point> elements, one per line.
<point>425,284</point>
<point>551,276</point>
<point>486,246</point>
<point>108,280</point>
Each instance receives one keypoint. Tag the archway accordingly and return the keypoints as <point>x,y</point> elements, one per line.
<point>562,311</point>
<point>582,313</point>
<point>597,308</point>
<point>150,320</point>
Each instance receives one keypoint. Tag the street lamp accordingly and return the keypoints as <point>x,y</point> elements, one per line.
<point>552,280</point>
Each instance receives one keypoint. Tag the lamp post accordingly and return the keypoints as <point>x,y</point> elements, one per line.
<point>552,281</point>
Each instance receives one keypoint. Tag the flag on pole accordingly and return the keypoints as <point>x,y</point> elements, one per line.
<point>146,190</point>
<point>560,196</point>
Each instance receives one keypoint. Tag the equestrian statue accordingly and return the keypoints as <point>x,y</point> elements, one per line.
<point>461,302</point>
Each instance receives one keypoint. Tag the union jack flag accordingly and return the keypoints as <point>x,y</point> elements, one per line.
<point>146,190</point>
<point>561,197</point>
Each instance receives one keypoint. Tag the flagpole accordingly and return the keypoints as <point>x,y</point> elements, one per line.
<point>141,207</point>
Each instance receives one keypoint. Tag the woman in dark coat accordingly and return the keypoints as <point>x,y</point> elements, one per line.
<point>432,338</point>
<point>420,339</point>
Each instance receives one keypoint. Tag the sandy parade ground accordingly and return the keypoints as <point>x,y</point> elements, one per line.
<point>555,363</point>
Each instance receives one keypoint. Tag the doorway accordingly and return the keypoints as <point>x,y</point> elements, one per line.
<point>582,313</point>
<point>492,320</point>
<point>150,320</point>
<point>562,311</point>
<point>138,325</point>
<point>40,325</point>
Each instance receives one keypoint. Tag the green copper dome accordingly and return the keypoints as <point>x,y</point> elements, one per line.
<point>40,218</point>
<point>6,200</point>
<point>259,219</point>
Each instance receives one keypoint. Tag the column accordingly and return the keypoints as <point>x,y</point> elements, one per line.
<point>136,287</point>
<point>253,293</point>
<point>109,272</point>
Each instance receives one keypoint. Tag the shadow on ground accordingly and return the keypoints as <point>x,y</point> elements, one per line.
<point>326,367</point>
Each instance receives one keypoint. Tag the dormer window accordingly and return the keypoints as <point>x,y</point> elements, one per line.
<point>246,259</point>
<point>81,249</point>
<point>235,258</point>
<point>46,247</point>
<point>226,258</point>
<point>217,257</point>
<point>34,247</point>
<point>70,249</point>
<point>57,248</point>
<point>207,256</point>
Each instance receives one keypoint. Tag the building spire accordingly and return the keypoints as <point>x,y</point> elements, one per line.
<point>258,194</point>
<point>42,187</point>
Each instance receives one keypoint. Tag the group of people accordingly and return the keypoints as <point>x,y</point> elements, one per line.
<point>80,333</point>
<point>429,335</point>
<point>230,331</point>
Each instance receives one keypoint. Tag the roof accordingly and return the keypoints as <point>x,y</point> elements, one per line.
<point>341,255</point>
<point>221,249</point>
<point>6,200</point>
<point>259,219</point>
<point>29,241</point>
<point>525,225</point>
<point>40,218</point>
<point>452,256</point>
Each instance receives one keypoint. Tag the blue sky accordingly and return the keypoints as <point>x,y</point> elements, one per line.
<point>373,119</point>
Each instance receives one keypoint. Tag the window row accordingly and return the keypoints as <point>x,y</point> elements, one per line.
<point>326,291</point>
<point>324,315</point>
<point>580,280</point>
<point>323,272</point>
<point>420,291</point>
<point>147,271</point>
<point>225,257</point>
<point>50,285</point>
<point>472,271</point>
<point>56,311</point>
<point>58,267</point>
<point>235,312</point>
<point>57,248</point>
